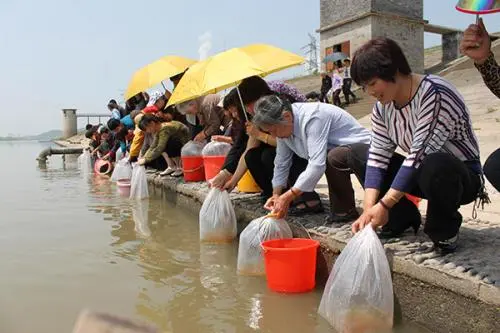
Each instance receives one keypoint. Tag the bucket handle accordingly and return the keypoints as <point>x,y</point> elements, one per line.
<point>294,222</point>
<point>193,170</point>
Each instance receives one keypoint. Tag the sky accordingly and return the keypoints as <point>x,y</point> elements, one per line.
<point>80,53</point>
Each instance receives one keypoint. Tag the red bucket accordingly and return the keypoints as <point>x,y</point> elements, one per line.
<point>291,264</point>
<point>192,166</point>
<point>213,165</point>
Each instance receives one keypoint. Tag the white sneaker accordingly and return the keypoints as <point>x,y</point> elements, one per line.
<point>168,171</point>
<point>177,173</point>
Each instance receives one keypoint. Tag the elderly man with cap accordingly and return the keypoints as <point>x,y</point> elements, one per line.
<point>210,117</point>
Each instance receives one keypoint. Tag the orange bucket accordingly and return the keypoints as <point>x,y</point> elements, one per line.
<point>213,164</point>
<point>414,199</point>
<point>291,264</point>
<point>192,166</point>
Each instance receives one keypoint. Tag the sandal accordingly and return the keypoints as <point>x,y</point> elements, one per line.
<point>306,209</point>
<point>349,217</point>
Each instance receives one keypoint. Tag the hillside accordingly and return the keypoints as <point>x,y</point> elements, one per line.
<point>45,136</point>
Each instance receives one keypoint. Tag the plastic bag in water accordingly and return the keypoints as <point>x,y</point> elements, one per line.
<point>358,296</point>
<point>250,256</point>
<point>123,170</point>
<point>216,149</point>
<point>140,216</point>
<point>85,162</point>
<point>192,148</point>
<point>217,218</point>
<point>139,184</point>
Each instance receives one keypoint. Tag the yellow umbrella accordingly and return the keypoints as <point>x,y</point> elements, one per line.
<point>228,68</point>
<point>155,73</point>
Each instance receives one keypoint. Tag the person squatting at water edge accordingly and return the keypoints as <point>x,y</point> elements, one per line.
<point>427,118</point>
<point>207,117</point>
<point>255,150</point>
<point>165,151</point>
<point>321,134</point>
<point>476,44</point>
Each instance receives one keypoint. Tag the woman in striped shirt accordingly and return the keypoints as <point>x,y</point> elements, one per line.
<point>427,118</point>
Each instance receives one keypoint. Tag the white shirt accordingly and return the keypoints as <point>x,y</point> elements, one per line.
<point>337,82</point>
<point>317,127</point>
<point>347,72</point>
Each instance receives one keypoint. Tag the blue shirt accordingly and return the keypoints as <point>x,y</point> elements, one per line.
<point>128,122</point>
<point>317,127</point>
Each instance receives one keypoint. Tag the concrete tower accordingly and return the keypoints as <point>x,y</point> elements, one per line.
<point>347,24</point>
<point>69,123</point>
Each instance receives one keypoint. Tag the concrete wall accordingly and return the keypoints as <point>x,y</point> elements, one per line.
<point>409,8</point>
<point>334,11</point>
<point>451,46</point>
<point>410,36</point>
<point>357,33</point>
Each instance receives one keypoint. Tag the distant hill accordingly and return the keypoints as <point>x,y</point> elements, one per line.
<point>45,136</point>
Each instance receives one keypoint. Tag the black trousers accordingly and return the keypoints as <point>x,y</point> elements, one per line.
<point>346,89</point>
<point>336,97</point>
<point>260,163</point>
<point>323,97</point>
<point>442,179</point>
<point>173,149</point>
<point>492,169</point>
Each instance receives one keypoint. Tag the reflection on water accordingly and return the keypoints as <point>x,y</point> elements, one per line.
<point>70,242</point>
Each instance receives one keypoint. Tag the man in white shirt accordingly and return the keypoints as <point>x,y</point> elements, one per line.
<point>346,87</point>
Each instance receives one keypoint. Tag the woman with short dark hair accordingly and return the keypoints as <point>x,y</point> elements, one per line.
<point>427,118</point>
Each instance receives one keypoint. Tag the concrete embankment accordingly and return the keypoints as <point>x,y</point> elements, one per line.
<point>457,293</point>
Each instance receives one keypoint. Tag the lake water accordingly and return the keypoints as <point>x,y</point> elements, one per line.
<point>68,242</point>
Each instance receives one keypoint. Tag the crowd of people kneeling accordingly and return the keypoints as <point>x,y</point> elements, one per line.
<point>288,144</point>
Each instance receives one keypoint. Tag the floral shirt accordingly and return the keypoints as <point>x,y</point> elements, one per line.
<point>281,87</point>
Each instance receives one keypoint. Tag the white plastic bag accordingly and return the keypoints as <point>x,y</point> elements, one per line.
<point>140,215</point>
<point>85,162</point>
<point>358,296</point>
<point>192,148</point>
<point>215,148</point>
<point>139,184</point>
<point>217,218</point>
<point>119,155</point>
<point>122,170</point>
<point>250,256</point>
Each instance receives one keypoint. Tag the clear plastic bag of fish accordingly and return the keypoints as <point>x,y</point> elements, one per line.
<point>119,155</point>
<point>250,255</point>
<point>85,162</point>
<point>216,149</point>
<point>122,171</point>
<point>140,215</point>
<point>217,218</point>
<point>192,148</point>
<point>358,296</point>
<point>139,183</point>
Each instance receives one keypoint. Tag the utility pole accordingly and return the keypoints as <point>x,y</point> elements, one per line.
<point>311,52</point>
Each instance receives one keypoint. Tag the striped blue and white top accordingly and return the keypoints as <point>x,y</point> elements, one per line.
<point>435,120</point>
